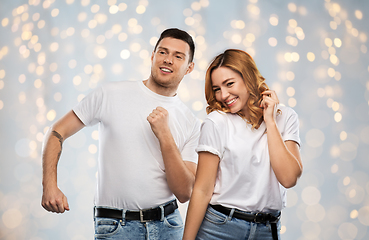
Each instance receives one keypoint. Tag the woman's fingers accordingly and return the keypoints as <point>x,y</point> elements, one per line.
<point>268,101</point>
<point>272,94</point>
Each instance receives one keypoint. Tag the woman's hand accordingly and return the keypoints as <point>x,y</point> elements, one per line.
<point>284,156</point>
<point>269,102</point>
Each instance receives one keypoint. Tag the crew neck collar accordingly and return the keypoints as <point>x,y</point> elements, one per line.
<point>156,95</point>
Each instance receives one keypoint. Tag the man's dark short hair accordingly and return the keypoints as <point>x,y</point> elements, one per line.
<point>178,34</point>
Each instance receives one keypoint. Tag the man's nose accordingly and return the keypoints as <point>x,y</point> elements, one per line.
<point>168,59</point>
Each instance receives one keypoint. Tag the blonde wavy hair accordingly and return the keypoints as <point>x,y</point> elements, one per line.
<point>242,63</point>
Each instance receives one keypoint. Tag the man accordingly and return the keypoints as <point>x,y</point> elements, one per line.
<point>147,140</point>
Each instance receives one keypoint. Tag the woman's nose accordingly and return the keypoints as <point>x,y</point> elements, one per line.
<point>224,94</point>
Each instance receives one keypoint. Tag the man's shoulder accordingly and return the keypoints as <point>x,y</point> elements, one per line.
<point>184,115</point>
<point>118,86</point>
<point>186,111</point>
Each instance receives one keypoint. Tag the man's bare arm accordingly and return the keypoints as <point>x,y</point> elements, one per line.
<point>52,198</point>
<point>180,174</point>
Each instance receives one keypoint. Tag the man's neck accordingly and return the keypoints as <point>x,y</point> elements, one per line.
<point>156,88</point>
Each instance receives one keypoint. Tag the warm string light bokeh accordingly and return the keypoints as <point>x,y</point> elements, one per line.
<point>313,54</point>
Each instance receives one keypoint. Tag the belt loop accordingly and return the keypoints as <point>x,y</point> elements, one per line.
<point>231,214</point>
<point>162,213</point>
<point>124,217</point>
<point>94,212</point>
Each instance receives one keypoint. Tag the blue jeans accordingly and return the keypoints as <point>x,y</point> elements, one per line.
<point>217,225</point>
<point>169,227</point>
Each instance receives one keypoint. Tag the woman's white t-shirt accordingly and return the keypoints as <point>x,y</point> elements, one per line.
<point>245,178</point>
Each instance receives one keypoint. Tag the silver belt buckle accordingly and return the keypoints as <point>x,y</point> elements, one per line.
<point>256,216</point>
<point>142,217</point>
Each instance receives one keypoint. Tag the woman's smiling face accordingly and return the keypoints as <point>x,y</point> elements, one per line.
<point>230,89</point>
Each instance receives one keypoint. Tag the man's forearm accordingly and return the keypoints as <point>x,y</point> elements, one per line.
<point>50,157</point>
<point>53,199</point>
<point>179,177</point>
<point>60,138</point>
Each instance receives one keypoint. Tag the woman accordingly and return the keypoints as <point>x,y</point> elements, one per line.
<point>248,155</point>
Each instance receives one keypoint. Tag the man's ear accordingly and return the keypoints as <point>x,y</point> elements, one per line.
<point>190,67</point>
<point>152,56</point>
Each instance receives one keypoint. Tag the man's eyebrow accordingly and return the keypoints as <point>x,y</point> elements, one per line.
<point>177,52</point>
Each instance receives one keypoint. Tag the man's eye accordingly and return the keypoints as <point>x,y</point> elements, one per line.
<point>179,57</point>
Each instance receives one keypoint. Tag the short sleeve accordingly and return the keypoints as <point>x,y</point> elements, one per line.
<point>188,153</point>
<point>291,130</point>
<point>210,140</point>
<point>88,110</point>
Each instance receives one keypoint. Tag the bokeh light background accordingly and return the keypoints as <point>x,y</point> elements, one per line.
<point>313,53</point>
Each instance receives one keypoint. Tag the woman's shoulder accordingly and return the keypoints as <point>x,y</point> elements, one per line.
<point>287,111</point>
<point>286,115</point>
<point>217,116</point>
<point>223,120</point>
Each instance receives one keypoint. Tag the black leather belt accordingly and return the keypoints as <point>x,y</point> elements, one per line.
<point>259,217</point>
<point>144,215</point>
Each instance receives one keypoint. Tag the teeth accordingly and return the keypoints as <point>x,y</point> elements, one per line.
<point>165,70</point>
<point>230,102</point>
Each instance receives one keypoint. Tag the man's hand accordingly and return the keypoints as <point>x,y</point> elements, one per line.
<point>158,120</point>
<point>54,200</point>
<point>180,174</point>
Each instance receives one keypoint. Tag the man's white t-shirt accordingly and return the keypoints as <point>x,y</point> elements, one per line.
<point>245,179</point>
<point>131,171</point>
